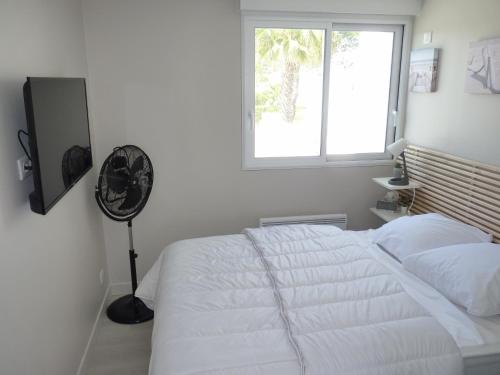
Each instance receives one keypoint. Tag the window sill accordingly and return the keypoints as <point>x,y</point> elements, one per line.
<point>256,166</point>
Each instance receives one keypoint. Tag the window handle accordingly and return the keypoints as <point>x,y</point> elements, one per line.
<point>251,121</point>
<point>395,118</point>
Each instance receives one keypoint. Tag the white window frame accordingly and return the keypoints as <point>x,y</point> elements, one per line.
<point>401,26</point>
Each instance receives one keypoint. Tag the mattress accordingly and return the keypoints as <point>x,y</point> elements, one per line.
<point>327,299</point>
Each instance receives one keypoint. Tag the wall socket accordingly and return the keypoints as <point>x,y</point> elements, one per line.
<point>22,172</point>
<point>101,276</point>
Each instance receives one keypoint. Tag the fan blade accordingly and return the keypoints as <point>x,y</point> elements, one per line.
<point>118,162</point>
<point>134,196</point>
<point>117,181</point>
<point>117,175</point>
<point>138,165</point>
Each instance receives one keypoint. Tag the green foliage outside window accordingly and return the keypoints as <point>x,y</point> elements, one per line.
<point>290,50</point>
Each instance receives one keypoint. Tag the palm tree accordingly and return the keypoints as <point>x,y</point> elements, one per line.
<point>294,48</point>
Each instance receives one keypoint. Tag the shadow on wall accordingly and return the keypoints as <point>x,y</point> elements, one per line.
<point>14,197</point>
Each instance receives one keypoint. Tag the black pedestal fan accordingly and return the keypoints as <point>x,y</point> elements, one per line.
<point>123,188</point>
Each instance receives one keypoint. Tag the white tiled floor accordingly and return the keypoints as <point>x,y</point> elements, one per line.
<point>120,349</point>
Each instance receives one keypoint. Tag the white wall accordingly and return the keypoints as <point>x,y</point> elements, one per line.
<point>451,120</point>
<point>386,7</point>
<point>166,75</point>
<point>49,287</point>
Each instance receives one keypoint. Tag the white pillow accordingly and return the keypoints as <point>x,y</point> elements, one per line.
<point>468,275</point>
<point>414,234</point>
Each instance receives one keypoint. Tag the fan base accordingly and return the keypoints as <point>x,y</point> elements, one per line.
<point>129,310</point>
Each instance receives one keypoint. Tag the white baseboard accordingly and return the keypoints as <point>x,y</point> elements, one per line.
<point>83,363</point>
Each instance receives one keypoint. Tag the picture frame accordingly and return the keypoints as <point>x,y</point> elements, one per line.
<point>483,67</point>
<point>424,70</point>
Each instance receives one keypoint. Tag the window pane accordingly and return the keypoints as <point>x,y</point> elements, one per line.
<point>360,77</point>
<point>288,92</point>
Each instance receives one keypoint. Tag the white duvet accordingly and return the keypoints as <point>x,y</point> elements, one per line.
<point>216,311</point>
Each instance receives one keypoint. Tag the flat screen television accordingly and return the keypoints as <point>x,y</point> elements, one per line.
<point>59,137</point>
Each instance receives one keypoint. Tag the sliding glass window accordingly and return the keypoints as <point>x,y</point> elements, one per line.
<point>318,93</point>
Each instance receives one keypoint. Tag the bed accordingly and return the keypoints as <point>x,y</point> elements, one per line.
<point>306,300</point>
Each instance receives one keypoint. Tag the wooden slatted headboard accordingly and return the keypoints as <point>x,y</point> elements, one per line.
<point>462,189</point>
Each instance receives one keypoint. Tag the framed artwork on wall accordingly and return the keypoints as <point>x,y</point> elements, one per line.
<point>424,70</point>
<point>483,67</point>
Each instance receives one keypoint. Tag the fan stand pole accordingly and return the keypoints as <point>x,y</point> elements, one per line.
<point>132,256</point>
<point>129,309</point>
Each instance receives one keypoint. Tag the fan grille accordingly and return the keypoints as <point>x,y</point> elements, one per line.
<point>125,183</point>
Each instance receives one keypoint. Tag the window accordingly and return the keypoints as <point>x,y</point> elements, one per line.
<point>319,92</point>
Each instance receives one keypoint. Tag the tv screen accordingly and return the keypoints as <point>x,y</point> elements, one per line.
<point>59,138</point>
